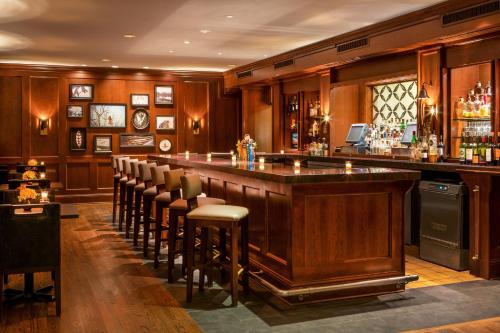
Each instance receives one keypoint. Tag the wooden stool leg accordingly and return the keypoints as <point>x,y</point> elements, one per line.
<point>121,207</point>
<point>2,280</point>
<point>189,231</point>
<point>245,254</point>
<point>184,244</point>
<point>128,219</point>
<point>223,252</point>
<point>137,216</point>
<point>172,235</point>
<point>210,259</point>
<point>147,218</point>
<point>158,227</point>
<point>203,257</point>
<point>57,288</point>
<point>116,182</point>
<point>234,265</point>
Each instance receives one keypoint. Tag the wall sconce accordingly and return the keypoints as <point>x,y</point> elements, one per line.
<point>44,126</point>
<point>196,126</point>
<point>326,118</point>
<point>423,92</point>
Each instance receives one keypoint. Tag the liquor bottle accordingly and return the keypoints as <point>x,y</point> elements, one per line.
<point>460,108</point>
<point>489,150</point>
<point>469,149</point>
<point>425,152</point>
<point>402,127</point>
<point>475,151</point>
<point>482,150</point>
<point>414,138</point>
<point>462,148</point>
<point>497,151</point>
<point>440,149</point>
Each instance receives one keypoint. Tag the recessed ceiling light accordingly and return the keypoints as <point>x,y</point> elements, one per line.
<point>83,65</point>
<point>219,53</point>
<point>105,60</point>
<point>204,31</point>
<point>114,66</point>
<point>171,51</point>
<point>229,16</point>
<point>145,67</point>
<point>265,55</point>
<point>129,36</point>
<point>231,65</point>
<point>187,42</point>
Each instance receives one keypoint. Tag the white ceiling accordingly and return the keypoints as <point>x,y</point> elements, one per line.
<point>67,32</point>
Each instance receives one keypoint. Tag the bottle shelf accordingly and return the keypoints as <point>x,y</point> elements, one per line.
<point>472,119</point>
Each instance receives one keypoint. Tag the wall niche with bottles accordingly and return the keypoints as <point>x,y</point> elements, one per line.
<point>307,126</point>
<point>472,102</point>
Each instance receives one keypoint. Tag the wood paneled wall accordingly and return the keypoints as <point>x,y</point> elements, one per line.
<point>31,93</point>
<point>257,110</point>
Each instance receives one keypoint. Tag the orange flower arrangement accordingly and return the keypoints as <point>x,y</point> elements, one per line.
<point>30,174</point>
<point>26,194</point>
<point>33,162</point>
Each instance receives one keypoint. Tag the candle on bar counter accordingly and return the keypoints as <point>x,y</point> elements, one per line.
<point>45,196</point>
<point>42,175</point>
<point>209,157</point>
<point>296,164</point>
<point>233,160</point>
<point>348,165</point>
<point>42,163</point>
<point>261,167</point>
<point>282,151</point>
<point>187,154</point>
<point>232,152</point>
<point>262,160</point>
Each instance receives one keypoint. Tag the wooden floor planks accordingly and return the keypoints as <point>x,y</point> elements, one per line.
<point>105,288</point>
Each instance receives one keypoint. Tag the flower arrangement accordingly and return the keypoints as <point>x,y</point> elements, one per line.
<point>26,194</point>
<point>246,148</point>
<point>30,174</point>
<point>32,162</point>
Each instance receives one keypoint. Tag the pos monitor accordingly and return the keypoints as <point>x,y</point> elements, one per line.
<point>408,133</point>
<point>357,134</point>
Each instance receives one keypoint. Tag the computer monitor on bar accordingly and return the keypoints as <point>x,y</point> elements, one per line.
<point>357,134</point>
<point>408,133</point>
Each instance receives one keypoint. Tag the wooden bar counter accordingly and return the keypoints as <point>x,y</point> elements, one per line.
<point>315,227</point>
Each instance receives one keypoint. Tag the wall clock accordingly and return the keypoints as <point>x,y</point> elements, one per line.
<point>165,145</point>
<point>140,119</point>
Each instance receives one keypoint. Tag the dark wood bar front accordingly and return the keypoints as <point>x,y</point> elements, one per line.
<point>314,226</point>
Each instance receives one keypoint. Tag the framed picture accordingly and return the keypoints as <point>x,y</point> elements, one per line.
<point>134,140</point>
<point>164,95</point>
<point>165,123</point>
<point>295,140</point>
<point>75,111</point>
<point>77,139</point>
<point>140,119</point>
<point>103,144</point>
<point>107,115</point>
<point>81,91</point>
<point>138,100</point>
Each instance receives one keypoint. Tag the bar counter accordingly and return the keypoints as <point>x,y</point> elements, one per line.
<point>323,229</point>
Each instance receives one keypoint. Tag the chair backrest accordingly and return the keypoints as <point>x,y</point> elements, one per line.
<point>120,163</point>
<point>145,171</point>
<point>157,177</point>
<point>30,241</point>
<point>191,186</point>
<point>114,160</point>
<point>173,179</point>
<point>127,167</point>
<point>135,168</point>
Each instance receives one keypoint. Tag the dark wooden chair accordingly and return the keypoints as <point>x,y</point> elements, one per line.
<point>30,242</point>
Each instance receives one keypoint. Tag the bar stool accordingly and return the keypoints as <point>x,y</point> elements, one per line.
<point>122,182</point>
<point>130,189</point>
<point>116,181</point>
<point>226,217</point>
<point>181,207</point>
<point>158,186</point>
<point>144,181</point>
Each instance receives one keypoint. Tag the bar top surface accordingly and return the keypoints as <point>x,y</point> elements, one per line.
<point>280,172</point>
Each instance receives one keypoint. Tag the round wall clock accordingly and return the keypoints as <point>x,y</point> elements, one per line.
<point>165,145</point>
<point>140,119</point>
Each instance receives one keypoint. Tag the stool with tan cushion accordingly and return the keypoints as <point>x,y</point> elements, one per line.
<point>131,185</point>
<point>192,197</point>
<point>149,195</point>
<point>122,185</point>
<point>116,182</point>
<point>144,181</point>
<point>222,217</point>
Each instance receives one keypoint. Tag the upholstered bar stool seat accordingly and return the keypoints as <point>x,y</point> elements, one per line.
<point>163,197</point>
<point>218,212</point>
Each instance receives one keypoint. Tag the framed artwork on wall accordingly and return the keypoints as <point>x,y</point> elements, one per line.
<point>165,123</point>
<point>140,119</point>
<point>139,100</point>
<point>77,139</point>
<point>81,91</point>
<point>164,95</point>
<point>103,144</point>
<point>135,140</point>
<point>74,111</point>
<point>107,115</point>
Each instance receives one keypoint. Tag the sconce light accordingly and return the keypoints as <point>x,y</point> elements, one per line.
<point>44,126</point>
<point>326,118</point>
<point>423,92</point>
<point>196,126</point>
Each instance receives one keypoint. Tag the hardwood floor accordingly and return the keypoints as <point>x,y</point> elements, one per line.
<point>106,287</point>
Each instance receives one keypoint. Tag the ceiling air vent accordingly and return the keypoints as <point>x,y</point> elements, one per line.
<point>284,63</point>
<point>351,45</point>
<point>244,74</point>
<point>471,12</point>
